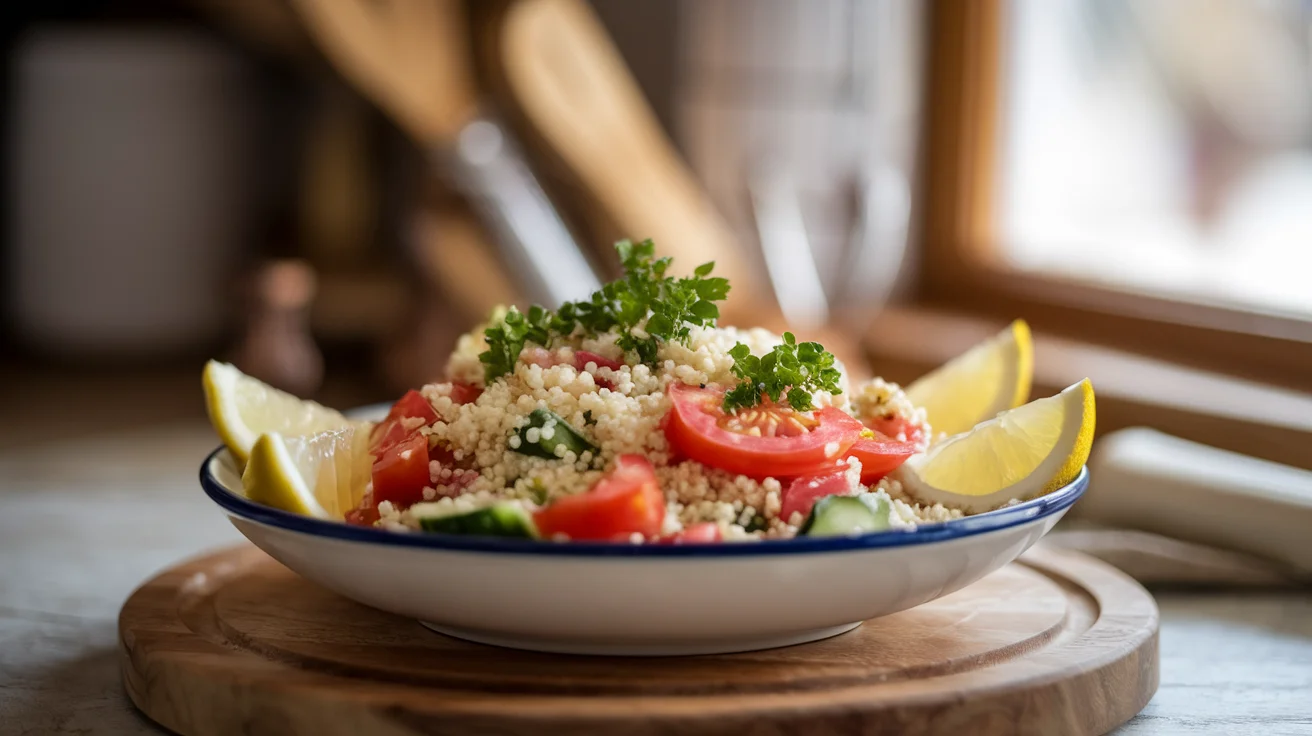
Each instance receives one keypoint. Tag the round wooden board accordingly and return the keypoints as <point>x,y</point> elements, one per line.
<point>236,643</point>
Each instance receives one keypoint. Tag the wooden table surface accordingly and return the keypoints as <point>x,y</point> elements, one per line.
<point>83,521</point>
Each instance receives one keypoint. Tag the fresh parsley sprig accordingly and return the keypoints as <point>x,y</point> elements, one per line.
<point>646,305</point>
<point>505,336</point>
<point>791,371</point>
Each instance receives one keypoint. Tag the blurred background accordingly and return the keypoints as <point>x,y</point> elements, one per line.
<point>329,193</point>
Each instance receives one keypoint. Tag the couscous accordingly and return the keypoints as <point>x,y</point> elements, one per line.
<point>634,417</point>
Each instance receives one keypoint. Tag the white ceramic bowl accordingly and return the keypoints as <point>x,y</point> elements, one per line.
<point>622,599</point>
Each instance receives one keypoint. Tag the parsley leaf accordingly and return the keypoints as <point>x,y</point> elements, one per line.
<point>646,307</point>
<point>791,371</point>
<point>505,339</point>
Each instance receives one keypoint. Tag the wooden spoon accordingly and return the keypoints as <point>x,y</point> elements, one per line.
<point>565,75</point>
<point>411,57</point>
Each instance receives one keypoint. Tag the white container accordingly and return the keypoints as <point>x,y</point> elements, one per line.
<point>129,172</point>
<point>639,600</point>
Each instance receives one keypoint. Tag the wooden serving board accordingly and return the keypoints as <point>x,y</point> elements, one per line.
<point>236,643</point>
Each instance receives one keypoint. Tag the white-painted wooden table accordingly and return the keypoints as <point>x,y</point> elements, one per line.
<point>82,522</point>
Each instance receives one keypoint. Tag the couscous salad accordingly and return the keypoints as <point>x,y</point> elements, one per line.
<point>634,417</point>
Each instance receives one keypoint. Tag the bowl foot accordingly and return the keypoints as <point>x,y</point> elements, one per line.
<point>642,649</point>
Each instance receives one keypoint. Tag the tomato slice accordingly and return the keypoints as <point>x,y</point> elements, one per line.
<point>802,445</point>
<point>626,501</point>
<point>892,426</point>
<point>703,533</point>
<point>401,472</point>
<point>802,493</point>
<point>883,453</point>
<point>880,456</point>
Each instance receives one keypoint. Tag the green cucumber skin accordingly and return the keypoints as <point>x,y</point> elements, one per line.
<point>493,521</point>
<point>836,516</point>
<point>564,435</point>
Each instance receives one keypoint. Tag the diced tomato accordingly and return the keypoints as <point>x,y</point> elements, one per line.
<point>696,534</point>
<point>392,430</point>
<point>413,405</point>
<point>465,393</point>
<point>583,357</point>
<point>386,435</point>
<point>802,493</point>
<point>442,454</point>
<point>362,516</point>
<point>767,440</point>
<point>627,501</point>
<point>401,472</point>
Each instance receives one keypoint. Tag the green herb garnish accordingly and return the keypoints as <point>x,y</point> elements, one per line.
<point>646,305</point>
<point>791,371</point>
<point>505,337</point>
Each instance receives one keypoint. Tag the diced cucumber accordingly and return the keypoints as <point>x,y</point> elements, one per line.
<point>499,520</point>
<point>551,432</point>
<point>839,516</point>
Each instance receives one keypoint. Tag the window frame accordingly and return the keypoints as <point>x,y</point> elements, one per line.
<point>959,240</point>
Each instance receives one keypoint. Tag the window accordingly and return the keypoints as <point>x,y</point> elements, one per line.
<point>1149,146</point>
<point>1132,173</point>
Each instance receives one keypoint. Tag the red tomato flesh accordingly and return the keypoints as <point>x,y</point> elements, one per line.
<point>413,405</point>
<point>627,501</point>
<point>464,393</point>
<point>386,435</point>
<point>392,430</point>
<point>880,456</point>
<point>583,357</point>
<point>362,516</point>
<point>802,493</point>
<point>401,472</point>
<point>703,533</point>
<point>698,428</point>
<point>883,453</point>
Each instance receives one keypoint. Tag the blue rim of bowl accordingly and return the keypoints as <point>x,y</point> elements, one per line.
<point>1022,513</point>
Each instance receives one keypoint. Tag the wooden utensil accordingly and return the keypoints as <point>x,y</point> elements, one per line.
<point>411,57</point>
<point>565,77</point>
<point>1056,643</point>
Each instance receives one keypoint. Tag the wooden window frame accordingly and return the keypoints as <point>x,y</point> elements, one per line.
<point>959,238</point>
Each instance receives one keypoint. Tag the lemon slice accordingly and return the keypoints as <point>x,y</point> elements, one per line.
<point>322,475</point>
<point>991,377</point>
<point>242,408</point>
<point>1023,453</point>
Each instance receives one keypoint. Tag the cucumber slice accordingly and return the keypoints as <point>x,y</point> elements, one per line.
<point>838,516</point>
<point>499,520</point>
<point>552,432</point>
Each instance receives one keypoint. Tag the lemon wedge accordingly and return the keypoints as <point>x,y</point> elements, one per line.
<point>242,408</point>
<point>991,377</point>
<point>321,475</point>
<point>1020,454</point>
